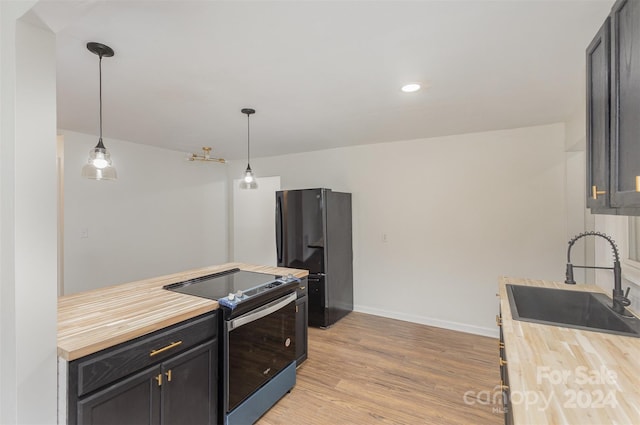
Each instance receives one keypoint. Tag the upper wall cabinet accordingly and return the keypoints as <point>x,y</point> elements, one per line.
<point>625,99</point>
<point>613,113</point>
<point>598,141</point>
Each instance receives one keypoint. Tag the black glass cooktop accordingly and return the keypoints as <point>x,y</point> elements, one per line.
<point>220,285</point>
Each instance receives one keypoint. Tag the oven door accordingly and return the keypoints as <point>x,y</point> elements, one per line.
<point>259,345</point>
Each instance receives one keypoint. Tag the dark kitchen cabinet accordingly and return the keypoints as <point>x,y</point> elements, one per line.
<point>625,99</point>
<point>189,387</point>
<point>613,107</point>
<point>134,400</point>
<point>302,322</point>
<point>177,391</point>
<point>504,376</point>
<point>167,377</point>
<point>598,141</point>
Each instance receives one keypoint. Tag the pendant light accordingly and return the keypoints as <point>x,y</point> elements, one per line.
<point>99,166</point>
<point>248,180</point>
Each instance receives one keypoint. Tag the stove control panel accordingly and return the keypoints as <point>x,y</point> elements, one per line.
<point>288,278</point>
<point>238,296</point>
<point>233,299</point>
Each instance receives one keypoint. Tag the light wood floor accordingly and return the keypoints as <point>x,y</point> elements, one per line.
<point>372,370</point>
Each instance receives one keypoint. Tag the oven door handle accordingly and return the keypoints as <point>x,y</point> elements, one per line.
<point>261,312</point>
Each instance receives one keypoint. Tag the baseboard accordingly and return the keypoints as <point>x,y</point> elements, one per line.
<point>430,321</point>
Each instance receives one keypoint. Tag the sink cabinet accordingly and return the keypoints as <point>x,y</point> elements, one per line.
<point>167,377</point>
<point>613,105</point>
<point>302,322</point>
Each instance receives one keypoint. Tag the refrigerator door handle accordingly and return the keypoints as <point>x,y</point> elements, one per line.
<point>315,277</point>
<point>279,229</point>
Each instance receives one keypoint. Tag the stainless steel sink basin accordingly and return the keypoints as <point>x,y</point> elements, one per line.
<point>572,309</point>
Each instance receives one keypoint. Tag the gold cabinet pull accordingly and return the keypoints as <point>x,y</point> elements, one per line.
<point>159,379</point>
<point>498,320</point>
<point>595,192</point>
<point>168,373</point>
<point>637,183</point>
<point>163,349</point>
<point>503,386</point>
<point>302,288</point>
<point>502,361</point>
<point>500,344</point>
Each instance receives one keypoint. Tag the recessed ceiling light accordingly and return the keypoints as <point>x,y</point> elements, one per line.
<point>411,87</point>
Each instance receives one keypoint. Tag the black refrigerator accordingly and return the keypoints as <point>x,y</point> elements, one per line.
<point>313,232</point>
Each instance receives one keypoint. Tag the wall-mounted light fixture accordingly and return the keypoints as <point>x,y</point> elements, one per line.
<point>99,165</point>
<point>248,180</point>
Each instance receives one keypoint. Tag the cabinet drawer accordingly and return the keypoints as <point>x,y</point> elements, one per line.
<point>104,367</point>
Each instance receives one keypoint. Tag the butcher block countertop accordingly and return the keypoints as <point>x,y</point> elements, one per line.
<point>94,320</point>
<point>560,375</point>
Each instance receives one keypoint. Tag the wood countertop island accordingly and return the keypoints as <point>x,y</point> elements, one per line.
<point>560,375</point>
<point>94,320</point>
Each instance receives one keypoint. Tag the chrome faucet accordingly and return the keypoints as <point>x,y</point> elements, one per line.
<point>620,300</point>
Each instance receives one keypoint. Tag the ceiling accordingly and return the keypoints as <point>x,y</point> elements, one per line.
<point>320,74</point>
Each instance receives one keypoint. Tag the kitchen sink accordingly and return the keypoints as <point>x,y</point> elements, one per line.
<point>589,311</point>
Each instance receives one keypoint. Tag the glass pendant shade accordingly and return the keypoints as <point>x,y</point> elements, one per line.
<point>249,180</point>
<point>99,166</point>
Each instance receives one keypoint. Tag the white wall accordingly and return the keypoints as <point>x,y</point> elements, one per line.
<point>458,213</point>
<point>164,214</point>
<point>253,222</point>
<point>27,220</point>
<point>579,218</point>
<point>576,213</point>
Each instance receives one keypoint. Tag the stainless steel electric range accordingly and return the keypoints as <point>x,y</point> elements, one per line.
<point>258,338</point>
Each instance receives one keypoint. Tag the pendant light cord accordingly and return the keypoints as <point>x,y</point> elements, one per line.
<point>100,94</point>
<point>248,139</point>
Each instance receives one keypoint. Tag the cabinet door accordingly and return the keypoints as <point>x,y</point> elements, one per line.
<point>301,329</point>
<point>134,400</point>
<point>189,389</point>
<point>598,54</point>
<point>625,114</point>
